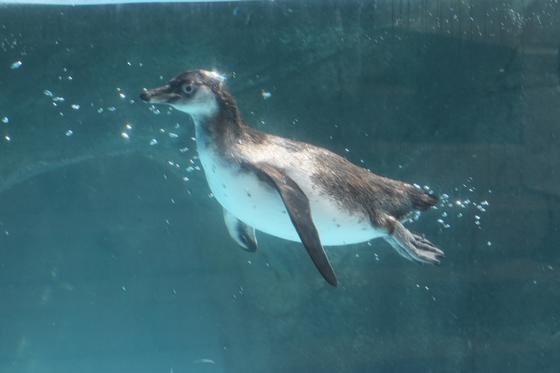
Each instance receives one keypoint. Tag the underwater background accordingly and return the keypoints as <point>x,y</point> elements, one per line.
<point>115,258</point>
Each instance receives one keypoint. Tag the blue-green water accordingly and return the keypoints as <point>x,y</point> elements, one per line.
<point>114,258</point>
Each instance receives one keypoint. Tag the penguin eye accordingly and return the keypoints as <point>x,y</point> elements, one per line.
<point>187,88</point>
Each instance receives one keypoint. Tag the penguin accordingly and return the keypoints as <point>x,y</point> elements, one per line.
<point>290,189</point>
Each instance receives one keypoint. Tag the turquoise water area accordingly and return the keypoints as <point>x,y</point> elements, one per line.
<point>115,258</point>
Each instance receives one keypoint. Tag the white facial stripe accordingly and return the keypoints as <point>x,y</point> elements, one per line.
<point>202,104</point>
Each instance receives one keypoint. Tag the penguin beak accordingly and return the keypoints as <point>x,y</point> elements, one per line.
<point>160,95</point>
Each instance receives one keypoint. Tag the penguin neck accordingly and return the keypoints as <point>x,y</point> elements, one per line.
<point>218,128</point>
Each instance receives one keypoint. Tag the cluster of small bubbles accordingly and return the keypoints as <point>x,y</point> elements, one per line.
<point>75,107</point>
<point>154,110</point>
<point>67,77</point>
<point>265,94</point>
<point>241,290</point>
<point>184,150</point>
<point>446,203</point>
<point>112,108</point>
<point>99,110</point>
<point>125,133</point>
<point>172,135</point>
<point>444,224</point>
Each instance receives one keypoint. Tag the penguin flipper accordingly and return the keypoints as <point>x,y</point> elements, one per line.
<point>297,204</point>
<point>241,233</point>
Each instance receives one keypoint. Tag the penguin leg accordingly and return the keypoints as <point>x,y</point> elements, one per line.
<point>241,233</point>
<point>409,245</point>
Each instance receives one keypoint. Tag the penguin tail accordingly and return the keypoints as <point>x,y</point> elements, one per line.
<point>422,200</point>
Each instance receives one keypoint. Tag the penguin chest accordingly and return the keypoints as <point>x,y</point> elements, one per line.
<point>248,198</point>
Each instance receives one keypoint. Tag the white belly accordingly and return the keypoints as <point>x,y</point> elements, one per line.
<point>260,206</point>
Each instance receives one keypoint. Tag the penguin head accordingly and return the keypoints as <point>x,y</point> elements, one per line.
<point>195,92</point>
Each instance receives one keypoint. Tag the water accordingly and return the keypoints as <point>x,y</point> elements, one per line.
<point>114,257</point>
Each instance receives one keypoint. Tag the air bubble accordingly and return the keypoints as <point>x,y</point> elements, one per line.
<point>69,133</point>
<point>5,120</point>
<point>76,107</point>
<point>16,65</point>
<point>153,142</point>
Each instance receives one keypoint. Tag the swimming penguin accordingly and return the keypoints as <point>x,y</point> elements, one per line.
<point>290,189</point>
